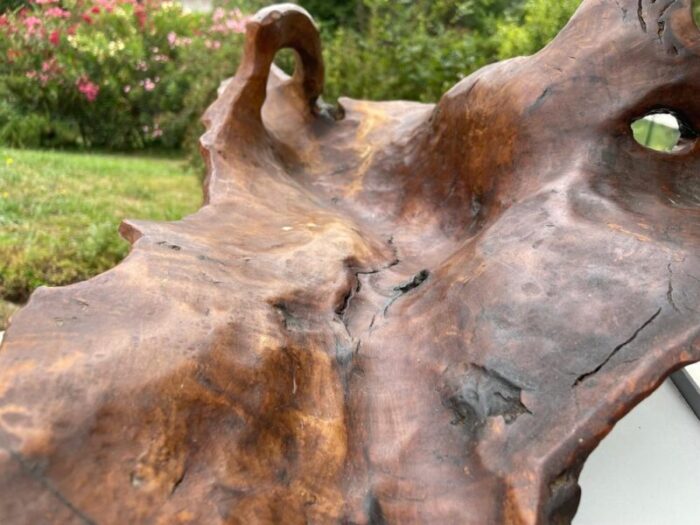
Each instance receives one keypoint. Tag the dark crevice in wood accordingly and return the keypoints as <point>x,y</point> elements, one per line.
<point>597,369</point>
<point>640,15</point>
<point>375,513</point>
<point>475,393</point>
<point>406,287</point>
<point>669,293</point>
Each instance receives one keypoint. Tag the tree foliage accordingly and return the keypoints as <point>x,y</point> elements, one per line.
<point>418,49</point>
<point>538,22</point>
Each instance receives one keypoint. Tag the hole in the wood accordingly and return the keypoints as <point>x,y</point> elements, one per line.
<point>286,60</point>
<point>663,131</point>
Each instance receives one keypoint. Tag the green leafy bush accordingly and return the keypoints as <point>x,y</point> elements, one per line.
<point>334,13</point>
<point>9,5</point>
<point>417,49</point>
<point>411,49</point>
<point>537,23</point>
<point>115,74</point>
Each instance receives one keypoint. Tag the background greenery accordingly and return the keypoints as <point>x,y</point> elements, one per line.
<point>418,49</point>
<point>115,74</point>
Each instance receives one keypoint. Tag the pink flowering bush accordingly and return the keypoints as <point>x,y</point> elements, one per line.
<point>119,74</point>
<point>87,88</point>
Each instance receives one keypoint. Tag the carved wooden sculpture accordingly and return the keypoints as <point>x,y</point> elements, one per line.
<point>393,313</point>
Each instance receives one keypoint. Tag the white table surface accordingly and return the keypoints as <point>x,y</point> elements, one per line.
<point>695,372</point>
<point>647,471</point>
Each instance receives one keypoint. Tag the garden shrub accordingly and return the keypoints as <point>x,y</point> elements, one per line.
<point>9,5</point>
<point>534,26</point>
<point>412,49</point>
<point>114,74</point>
<point>334,13</point>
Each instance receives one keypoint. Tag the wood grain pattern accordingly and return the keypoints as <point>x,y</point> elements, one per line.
<point>384,313</point>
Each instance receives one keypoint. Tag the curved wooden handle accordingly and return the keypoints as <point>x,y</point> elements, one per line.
<point>270,30</point>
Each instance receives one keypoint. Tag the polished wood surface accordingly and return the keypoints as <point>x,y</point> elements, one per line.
<point>386,312</point>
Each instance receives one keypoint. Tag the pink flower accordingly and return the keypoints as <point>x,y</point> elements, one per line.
<point>57,12</point>
<point>127,88</point>
<point>219,13</point>
<point>49,66</point>
<point>107,5</point>
<point>172,38</point>
<point>33,24</point>
<point>88,88</point>
<point>236,26</point>
<point>44,2</point>
<point>87,18</point>
<point>30,74</point>
<point>149,85</point>
<point>55,37</point>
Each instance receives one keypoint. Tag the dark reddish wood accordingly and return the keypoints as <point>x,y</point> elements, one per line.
<point>397,313</point>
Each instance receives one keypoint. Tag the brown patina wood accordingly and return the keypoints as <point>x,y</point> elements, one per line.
<point>385,313</point>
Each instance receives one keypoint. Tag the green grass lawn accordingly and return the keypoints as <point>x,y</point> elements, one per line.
<point>59,213</point>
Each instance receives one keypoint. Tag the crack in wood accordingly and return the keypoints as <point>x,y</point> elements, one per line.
<point>669,292</point>
<point>619,347</point>
<point>640,15</point>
